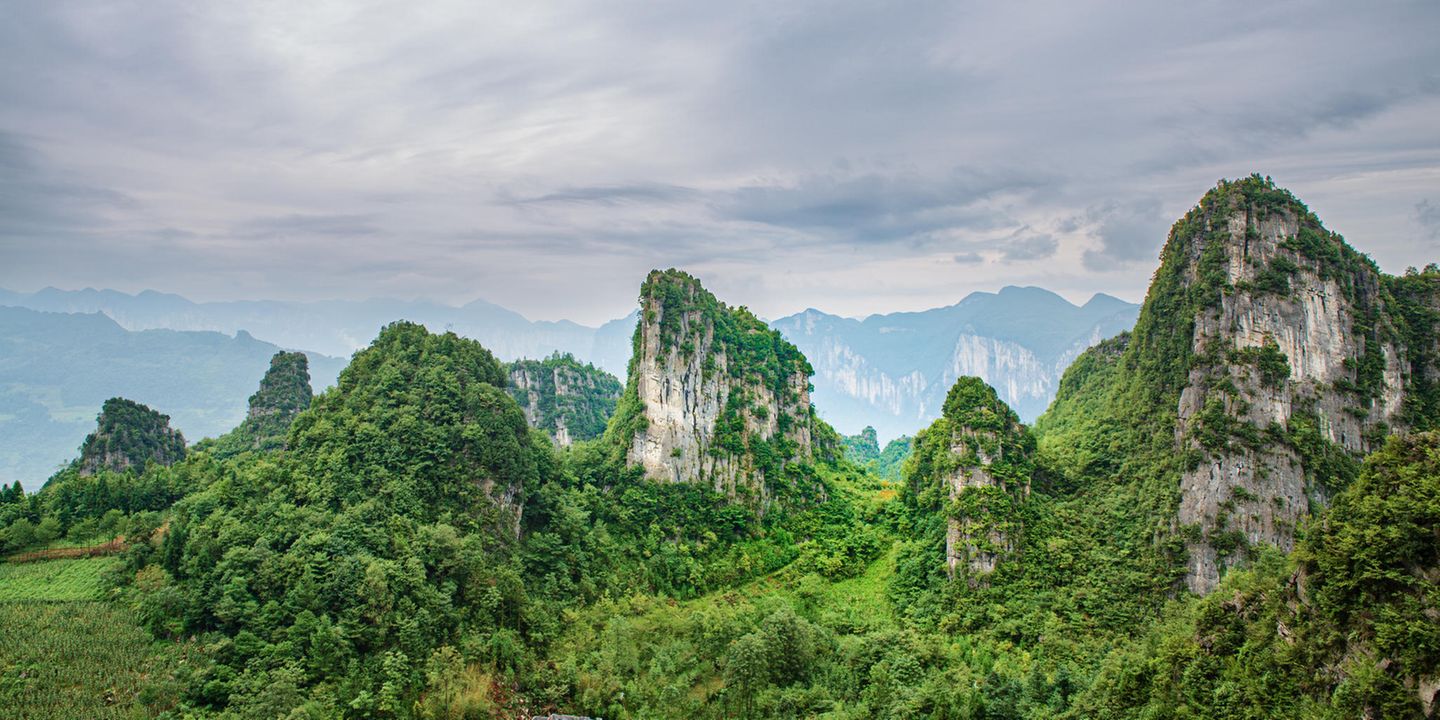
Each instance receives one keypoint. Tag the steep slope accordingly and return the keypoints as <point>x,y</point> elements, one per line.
<point>1268,356</point>
<point>1344,628</point>
<point>129,436</point>
<point>346,575</point>
<point>566,399</point>
<point>713,395</point>
<point>440,397</point>
<point>284,393</point>
<point>893,371</point>
<point>57,368</point>
<point>974,465</point>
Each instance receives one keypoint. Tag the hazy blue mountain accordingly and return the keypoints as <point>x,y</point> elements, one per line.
<point>56,369</point>
<point>340,327</point>
<point>892,371</point>
<point>889,371</point>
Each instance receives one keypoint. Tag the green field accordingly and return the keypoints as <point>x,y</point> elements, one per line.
<point>81,660</point>
<point>65,653</point>
<point>54,580</point>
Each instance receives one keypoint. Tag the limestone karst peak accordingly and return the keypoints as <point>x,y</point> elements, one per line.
<point>1268,357</point>
<point>129,436</point>
<point>714,396</point>
<point>974,465</point>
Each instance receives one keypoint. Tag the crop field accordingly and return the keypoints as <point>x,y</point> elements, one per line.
<point>79,660</point>
<point>53,580</point>
<point>65,653</point>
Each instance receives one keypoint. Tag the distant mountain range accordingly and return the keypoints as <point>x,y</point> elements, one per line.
<point>340,327</point>
<point>892,371</point>
<point>198,362</point>
<point>56,369</point>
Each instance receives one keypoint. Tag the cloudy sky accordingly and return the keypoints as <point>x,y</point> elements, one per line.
<point>856,157</point>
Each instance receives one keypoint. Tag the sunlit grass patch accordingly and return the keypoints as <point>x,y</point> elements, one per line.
<point>53,580</point>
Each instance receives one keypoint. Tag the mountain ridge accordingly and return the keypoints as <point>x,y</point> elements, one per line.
<point>1025,350</point>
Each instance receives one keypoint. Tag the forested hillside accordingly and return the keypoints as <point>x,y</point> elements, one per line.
<point>1230,512</point>
<point>569,400</point>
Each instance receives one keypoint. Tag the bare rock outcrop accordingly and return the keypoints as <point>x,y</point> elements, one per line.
<point>714,396</point>
<point>1295,365</point>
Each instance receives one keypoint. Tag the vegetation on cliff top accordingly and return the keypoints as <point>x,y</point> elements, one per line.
<point>283,394</point>
<point>583,401</point>
<point>129,436</point>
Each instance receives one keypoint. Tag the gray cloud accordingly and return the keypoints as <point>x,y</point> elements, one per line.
<point>1127,233</point>
<point>1427,215</point>
<point>37,200</point>
<point>321,225</point>
<point>877,208</point>
<point>1025,244</point>
<point>611,195</point>
<point>545,155</point>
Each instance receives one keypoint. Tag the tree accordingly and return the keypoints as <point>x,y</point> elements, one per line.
<point>747,669</point>
<point>48,530</point>
<point>20,534</point>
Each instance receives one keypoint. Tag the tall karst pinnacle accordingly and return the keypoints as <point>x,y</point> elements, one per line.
<point>974,464</point>
<point>714,396</point>
<point>1268,357</point>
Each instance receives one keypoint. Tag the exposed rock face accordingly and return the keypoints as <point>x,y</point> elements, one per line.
<point>1297,353</point>
<point>129,436</point>
<point>714,396</point>
<point>566,399</point>
<point>893,371</point>
<point>974,464</point>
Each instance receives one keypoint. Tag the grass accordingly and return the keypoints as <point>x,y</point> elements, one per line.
<point>86,659</point>
<point>54,580</point>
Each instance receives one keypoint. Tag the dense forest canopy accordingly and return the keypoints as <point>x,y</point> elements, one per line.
<point>407,545</point>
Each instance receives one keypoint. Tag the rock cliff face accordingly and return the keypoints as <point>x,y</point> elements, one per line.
<point>1268,358</point>
<point>893,371</point>
<point>129,436</point>
<point>974,465</point>
<point>1297,366</point>
<point>713,396</point>
<point>569,400</point>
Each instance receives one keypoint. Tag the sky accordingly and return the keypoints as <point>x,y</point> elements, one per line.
<point>853,157</point>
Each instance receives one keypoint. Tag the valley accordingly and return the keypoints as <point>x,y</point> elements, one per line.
<point>1230,509</point>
